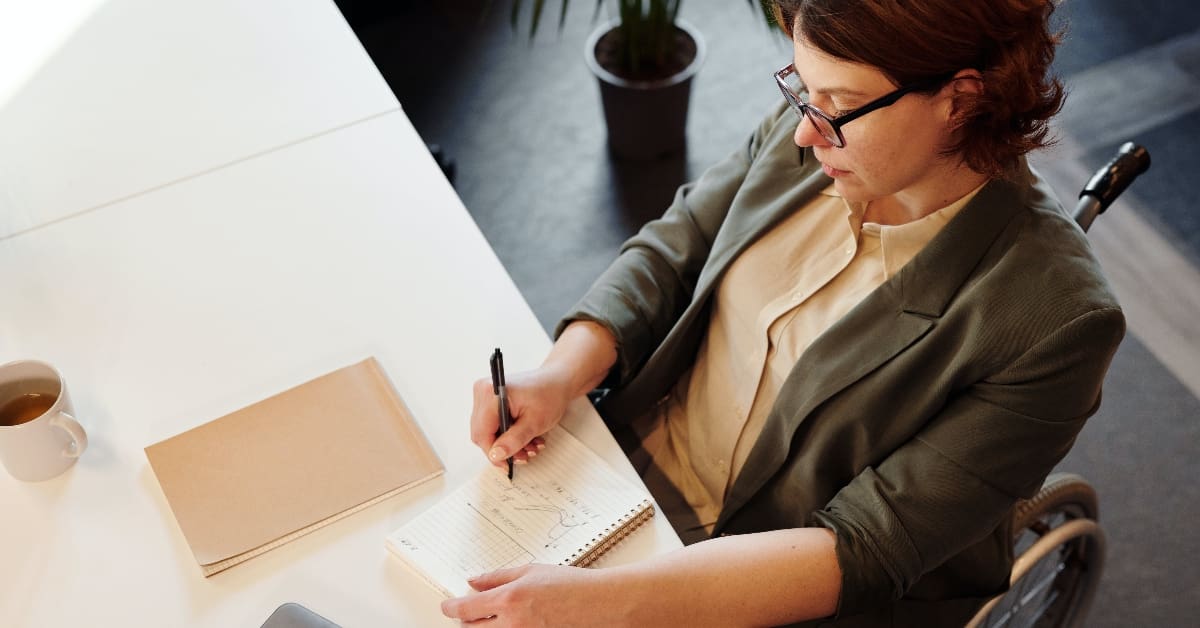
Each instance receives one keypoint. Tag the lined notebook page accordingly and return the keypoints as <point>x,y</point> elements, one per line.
<point>562,508</point>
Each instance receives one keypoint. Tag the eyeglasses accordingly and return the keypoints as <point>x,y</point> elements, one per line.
<point>828,126</point>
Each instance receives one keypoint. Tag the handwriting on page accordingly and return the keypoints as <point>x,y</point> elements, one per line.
<point>562,504</point>
<point>539,511</point>
<point>498,525</point>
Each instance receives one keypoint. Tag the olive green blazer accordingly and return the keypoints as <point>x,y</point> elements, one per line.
<point>913,424</point>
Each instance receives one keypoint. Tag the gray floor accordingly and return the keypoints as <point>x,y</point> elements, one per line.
<point>522,122</point>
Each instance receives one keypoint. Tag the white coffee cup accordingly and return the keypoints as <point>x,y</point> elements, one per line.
<point>39,436</point>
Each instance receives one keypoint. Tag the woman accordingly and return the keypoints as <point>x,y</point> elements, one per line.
<point>843,364</point>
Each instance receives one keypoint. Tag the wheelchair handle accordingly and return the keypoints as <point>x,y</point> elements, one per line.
<point>1110,181</point>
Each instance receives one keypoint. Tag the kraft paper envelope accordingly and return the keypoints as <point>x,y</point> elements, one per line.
<point>259,477</point>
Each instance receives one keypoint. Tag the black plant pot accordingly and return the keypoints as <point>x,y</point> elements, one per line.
<point>646,118</point>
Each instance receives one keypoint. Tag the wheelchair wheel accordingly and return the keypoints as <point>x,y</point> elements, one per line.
<point>1059,549</point>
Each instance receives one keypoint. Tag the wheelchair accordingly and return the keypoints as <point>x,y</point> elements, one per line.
<point>1057,539</point>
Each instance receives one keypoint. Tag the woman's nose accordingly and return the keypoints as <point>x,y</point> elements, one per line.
<point>807,134</point>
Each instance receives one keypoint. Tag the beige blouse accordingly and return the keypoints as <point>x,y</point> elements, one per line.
<point>780,294</point>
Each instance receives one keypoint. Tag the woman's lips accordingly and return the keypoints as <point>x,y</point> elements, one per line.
<point>834,172</point>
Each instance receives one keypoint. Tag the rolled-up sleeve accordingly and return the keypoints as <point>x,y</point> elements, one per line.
<point>950,486</point>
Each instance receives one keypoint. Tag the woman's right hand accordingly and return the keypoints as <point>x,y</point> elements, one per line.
<point>537,401</point>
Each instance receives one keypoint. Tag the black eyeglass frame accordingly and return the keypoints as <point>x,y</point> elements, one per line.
<point>803,109</point>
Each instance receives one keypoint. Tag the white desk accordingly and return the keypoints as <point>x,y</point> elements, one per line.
<point>110,98</point>
<point>195,298</point>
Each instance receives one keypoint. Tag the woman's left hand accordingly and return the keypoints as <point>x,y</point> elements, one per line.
<point>740,580</point>
<point>539,595</point>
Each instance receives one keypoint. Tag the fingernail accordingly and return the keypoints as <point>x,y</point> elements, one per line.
<point>541,445</point>
<point>497,454</point>
<point>520,461</point>
<point>531,453</point>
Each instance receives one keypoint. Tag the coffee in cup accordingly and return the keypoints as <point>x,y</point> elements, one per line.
<point>25,408</point>
<point>39,436</point>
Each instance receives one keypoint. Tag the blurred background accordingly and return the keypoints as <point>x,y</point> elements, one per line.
<point>520,120</point>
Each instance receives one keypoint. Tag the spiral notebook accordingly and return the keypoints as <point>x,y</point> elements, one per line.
<point>566,507</point>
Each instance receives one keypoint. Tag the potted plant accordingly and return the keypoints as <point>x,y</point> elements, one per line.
<point>644,60</point>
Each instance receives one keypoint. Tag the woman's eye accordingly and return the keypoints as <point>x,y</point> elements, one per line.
<point>838,112</point>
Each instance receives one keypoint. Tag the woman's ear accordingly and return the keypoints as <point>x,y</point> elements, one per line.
<point>965,87</point>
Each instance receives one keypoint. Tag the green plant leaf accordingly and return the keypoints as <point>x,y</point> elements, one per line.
<point>646,27</point>
<point>538,5</point>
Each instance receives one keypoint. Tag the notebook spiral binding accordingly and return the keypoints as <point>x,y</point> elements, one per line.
<point>611,536</point>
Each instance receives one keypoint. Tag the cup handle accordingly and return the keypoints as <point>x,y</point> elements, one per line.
<point>78,436</point>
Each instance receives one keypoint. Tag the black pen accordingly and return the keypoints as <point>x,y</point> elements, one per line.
<point>501,393</point>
